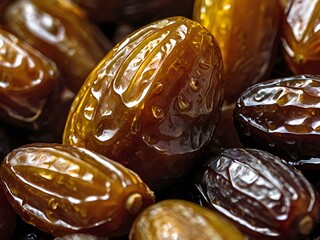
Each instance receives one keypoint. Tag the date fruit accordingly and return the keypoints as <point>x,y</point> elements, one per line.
<point>50,26</point>
<point>30,84</point>
<point>281,116</point>
<point>64,189</point>
<point>262,194</point>
<point>153,102</point>
<point>246,31</point>
<point>179,219</point>
<point>301,36</point>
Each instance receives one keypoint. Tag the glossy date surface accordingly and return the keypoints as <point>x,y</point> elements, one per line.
<point>153,102</point>
<point>64,189</point>
<point>301,36</point>
<point>73,43</point>
<point>281,116</point>
<point>246,32</point>
<point>30,84</point>
<point>263,195</point>
<point>179,219</point>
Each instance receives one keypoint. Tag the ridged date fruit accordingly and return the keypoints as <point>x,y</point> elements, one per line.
<point>263,195</point>
<point>7,218</point>
<point>30,85</point>
<point>59,33</point>
<point>281,116</point>
<point>153,102</point>
<point>247,45</point>
<point>65,189</point>
<point>301,36</point>
<point>179,219</point>
<point>135,12</point>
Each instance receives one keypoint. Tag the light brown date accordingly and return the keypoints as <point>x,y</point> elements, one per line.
<point>65,189</point>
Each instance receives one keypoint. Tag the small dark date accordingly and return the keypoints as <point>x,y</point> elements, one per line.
<point>281,116</point>
<point>262,194</point>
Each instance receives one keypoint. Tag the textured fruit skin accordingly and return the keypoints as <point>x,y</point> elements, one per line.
<point>281,116</point>
<point>58,32</point>
<point>300,36</point>
<point>30,86</point>
<point>263,195</point>
<point>153,102</point>
<point>64,189</point>
<point>179,219</point>
<point>247,45</point>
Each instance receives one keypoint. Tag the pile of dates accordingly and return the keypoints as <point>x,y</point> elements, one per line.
<point>148,119</point>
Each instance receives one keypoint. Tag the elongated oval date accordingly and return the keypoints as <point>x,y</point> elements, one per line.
<point>64,189</point>
<point>247,46</point>
<point>263,195</point>
<point>153,102</point>
<point>300,36</point>
<point>56,30</point>
<point>30,85</point>
<point>281,116</point>
<point>179,219</point>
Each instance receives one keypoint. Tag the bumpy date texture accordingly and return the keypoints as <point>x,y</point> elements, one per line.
<point>56,30</point>
<point>301,36</point>
<point>30,85</point>
<point>179,219</point>
<point>281,116</point>
<point>246,32</point>
<point>65,189</point>
<point>153,102</point>
<point>263,195</point>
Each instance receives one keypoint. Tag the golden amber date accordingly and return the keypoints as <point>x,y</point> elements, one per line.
<point>301,36</point>
<point>153,102</point>
<point>30,84</point>
<point>65,189</point>
<point>59,33</point>
<point>246,32</point>
<point>179,219</point>
<point>281,116</point>
<point>260,193</point>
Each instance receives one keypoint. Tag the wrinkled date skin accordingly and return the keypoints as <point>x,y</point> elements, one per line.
<point>247,45</point>
<point>30,85</point>
<point>135,12</point>
<point>262,194</point>
<point>179,219</point>
<point>7,218</point>
<point>301,36</point>
<point>64,189</point>
<point>153,102</point>
<point>281,116</point>
<point>59,33</point>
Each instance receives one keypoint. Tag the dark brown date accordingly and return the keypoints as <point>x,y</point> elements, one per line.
<point>281,116</point>
<point>56,30</point>
<point>153,102</point>
<point>30,85</point>
<point>263,195</point>
<point>64,189</point>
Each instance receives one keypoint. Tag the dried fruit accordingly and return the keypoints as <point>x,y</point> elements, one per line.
<point>281,116</point>
<point>153,102</point>
<point>58,32</point>
<point>301,36</point>
<point>179,219</point>
<point>263,195</point>
<point>64,189</point>
<point>247,45</point>
<point>30,85</point>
